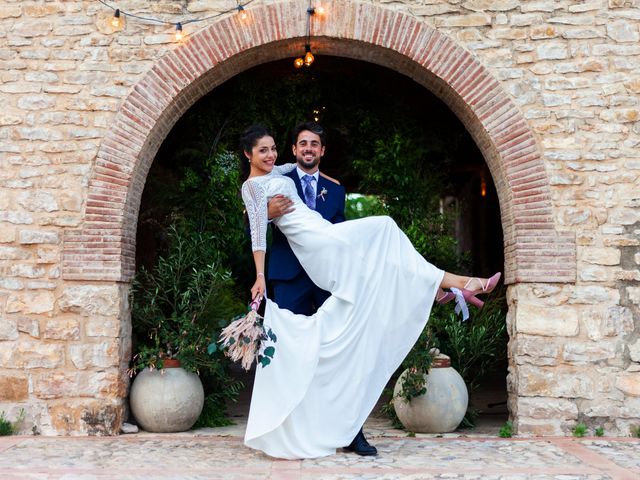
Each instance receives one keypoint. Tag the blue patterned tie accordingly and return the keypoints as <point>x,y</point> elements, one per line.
<point>309,193</point>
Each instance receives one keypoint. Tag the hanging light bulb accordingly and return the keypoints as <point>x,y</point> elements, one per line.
<point>320,10</point>
<point>298,62</point>
<point>308,57</point>
<point>115,21</point>
<point>242,13</point>
<point>483,187</point>
<point>179,34</point>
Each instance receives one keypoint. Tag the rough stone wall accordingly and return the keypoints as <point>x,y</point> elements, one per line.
<point>572,68</point>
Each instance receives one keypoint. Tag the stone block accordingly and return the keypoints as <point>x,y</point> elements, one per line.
<point>48,255</point>
<point>50,385</point>
<point>90,300</point>
<point>98,355</point>
<point>622,31</point>
<point>36,102</point>
<point>435,9</point>
<point>16,217</point>
<point>594,295</point>
<point>92,417</point>
<point>10,11</point>
<point>11,284</point>
<point>41,285</point>
<point>491,5</point>
<point>8,329</point>
<point>35,201</point>
<point>32,28</point>
<point>61,329</point>
<point>97,326</point>
<point>544,408</point>
<point>629,384</point>
<point>26,271</point>
<point>594,273</point>
<point>29,326</point>
<point>14,388</point>
<point>30,302</point>
<point>565,382</point>
<point>32,354</point>
<point>471,20</point>
<point>552,51</point>
<point>589,352</point>
<point>539,428</point>
<point>104,384</point>
<point>535,350</point>
<point>28,237</point>
<point>634,295</point>
<point>600,256</point>
<point>559,321</point>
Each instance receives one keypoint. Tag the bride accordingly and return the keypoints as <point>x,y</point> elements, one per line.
<point>331,367</point>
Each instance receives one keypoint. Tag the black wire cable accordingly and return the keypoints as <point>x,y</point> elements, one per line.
<point>165,22</point>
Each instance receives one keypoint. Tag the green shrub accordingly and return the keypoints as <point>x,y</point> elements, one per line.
<point>599,432</point>
<point>9,428</point>
<point>580,430</point>
<point>506,431</point>
<point>635,432</point>
<point>179,308</point>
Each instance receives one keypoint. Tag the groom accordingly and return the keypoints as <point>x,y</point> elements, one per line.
<point>292,287</point>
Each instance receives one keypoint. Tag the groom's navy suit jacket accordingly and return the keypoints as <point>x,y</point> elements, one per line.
<point>283,264</point>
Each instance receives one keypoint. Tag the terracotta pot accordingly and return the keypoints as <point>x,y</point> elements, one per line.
<point>166,400</point>
<point>442,408</point>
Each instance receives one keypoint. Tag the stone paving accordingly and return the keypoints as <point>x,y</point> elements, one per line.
<point>220,454</point>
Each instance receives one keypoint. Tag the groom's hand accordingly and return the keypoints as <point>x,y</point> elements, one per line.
<point>279,205</point>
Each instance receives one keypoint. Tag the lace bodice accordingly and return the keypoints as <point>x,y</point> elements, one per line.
<point>256,193</point>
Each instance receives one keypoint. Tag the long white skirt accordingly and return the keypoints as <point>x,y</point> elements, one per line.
<point>329,369</point>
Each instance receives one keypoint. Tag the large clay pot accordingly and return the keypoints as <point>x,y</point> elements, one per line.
<point>442,408</point>
<point>167,400</point>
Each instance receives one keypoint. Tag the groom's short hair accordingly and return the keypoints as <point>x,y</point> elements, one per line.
<point>313,127</point>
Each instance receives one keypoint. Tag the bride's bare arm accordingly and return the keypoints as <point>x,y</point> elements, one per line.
<point>259,286</point>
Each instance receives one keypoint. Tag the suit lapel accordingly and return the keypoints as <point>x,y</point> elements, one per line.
<point>322,204</point>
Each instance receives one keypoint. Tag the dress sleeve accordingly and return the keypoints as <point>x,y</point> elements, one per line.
<point>255,201</point>
<point>284,169</point>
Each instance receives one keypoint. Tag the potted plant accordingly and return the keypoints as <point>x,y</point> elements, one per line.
<point>431,394</point>
<point>178,309</point>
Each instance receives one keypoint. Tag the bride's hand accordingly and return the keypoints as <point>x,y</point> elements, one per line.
<point>258,288</point>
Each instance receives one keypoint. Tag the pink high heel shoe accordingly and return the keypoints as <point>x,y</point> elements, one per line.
<point>443,297</point>
<point>485,288</point>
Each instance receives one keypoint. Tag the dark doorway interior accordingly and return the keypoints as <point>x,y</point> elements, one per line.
<point>347,97</point>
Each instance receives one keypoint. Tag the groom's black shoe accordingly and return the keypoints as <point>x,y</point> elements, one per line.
<point>360,446</point>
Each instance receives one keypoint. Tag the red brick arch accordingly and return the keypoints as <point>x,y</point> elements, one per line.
<point>104,247</point>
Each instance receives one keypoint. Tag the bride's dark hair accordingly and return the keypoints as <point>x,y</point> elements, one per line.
<point>248,139</point>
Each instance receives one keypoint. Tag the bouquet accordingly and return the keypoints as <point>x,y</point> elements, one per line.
<point>245,339</point>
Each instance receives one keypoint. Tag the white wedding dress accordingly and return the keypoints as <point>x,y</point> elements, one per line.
<point>330,368</point>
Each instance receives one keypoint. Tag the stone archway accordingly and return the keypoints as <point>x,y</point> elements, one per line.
<point>103,249</point>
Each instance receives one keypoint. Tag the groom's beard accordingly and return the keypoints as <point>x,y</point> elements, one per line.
<point>309,164</point>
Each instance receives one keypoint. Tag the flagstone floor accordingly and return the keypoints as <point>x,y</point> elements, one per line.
<point>218,453</point>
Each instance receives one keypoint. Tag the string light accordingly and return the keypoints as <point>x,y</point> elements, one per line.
<point>115,21</point>
<point>308,58</point>
<point>242,13</point>
<point>179,33</point>
<point>119,15</point>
